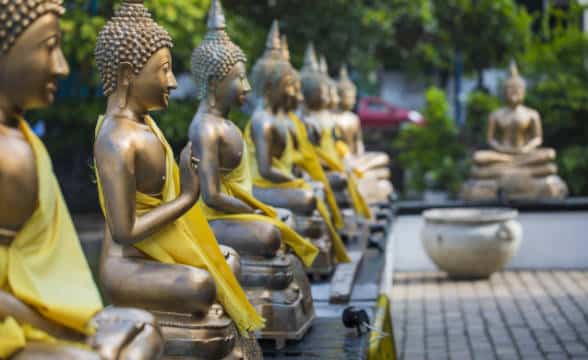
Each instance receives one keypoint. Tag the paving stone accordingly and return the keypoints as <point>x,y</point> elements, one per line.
<point>514,315</point>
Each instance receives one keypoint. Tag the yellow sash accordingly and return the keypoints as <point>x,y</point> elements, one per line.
<point>327,152</point>
<point>190,241</point>
<point>284,164</point>
<point>45,266</point>
<point>238,184</point>
<point>307,159</point>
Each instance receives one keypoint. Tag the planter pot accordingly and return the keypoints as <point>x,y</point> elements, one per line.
<point>471,243</point>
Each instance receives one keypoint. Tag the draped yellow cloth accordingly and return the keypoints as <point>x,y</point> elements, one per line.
<point>284,164</point>
<point>238,184</point>
<point>190,241</point>
<point>307,159</point>
<point>327,152</point>
<point>44,266</point>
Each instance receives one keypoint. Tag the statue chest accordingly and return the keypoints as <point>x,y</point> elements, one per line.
<point>150,163</point>
<point>514,122</point>
<point>230,147</point>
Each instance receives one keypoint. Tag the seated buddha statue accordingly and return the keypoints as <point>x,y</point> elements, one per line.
<point>159,252</point>
<point>317,115</point>
<point>374,182</point>
<point>50,307</point>
<point>271,153</point>
<point>271,274</point>
<point>516,165</point>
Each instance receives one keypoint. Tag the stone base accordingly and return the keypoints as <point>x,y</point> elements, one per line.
<point>211,337</point>
<point>315,229</point>
<point>515,187</point>
<point>289,310</point>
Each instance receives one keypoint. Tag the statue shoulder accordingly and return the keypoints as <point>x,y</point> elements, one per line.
<point>15,153</point>
<point>204,129</point>
<point>532,112</point>
<point>115,142</point>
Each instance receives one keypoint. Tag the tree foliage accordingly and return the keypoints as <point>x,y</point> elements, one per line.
<point>432,153</point>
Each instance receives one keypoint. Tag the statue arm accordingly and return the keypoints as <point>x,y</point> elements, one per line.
<point>536,132</point>
<point>23,314</point>
<point>205,145</point>
<point>262,134</point>
<point>117,177</point>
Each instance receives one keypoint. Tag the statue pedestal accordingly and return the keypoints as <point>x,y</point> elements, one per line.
<point>210,337</point>
<point>515,185</point>
<point>315,229</point>
<point>279,289</point>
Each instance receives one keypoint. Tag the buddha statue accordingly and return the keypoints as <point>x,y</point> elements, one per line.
<point>271,156</point>
<point>272,275</point>
<point>50,307</point>
<point>159,252</point>
<point>515,166</point>
<point>374,183</point>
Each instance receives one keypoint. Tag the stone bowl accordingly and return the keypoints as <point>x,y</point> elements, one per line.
<point>471,243</point>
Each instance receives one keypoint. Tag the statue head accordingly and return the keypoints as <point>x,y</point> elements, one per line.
<point>292,102</point>
<point>334,99</point>
<point>315,87</point>
<point>218,64</point>
<point>514,87</point>
<point>347,90</point>
<point>264,65</point>
<point>281,85</point>
<point>134,58</point>
<point>31,59</point>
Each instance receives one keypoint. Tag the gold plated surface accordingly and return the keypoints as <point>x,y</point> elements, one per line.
<point>218,66</point>
<point>31,62</point>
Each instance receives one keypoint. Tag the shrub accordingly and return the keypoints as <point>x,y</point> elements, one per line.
<point>432,153</point>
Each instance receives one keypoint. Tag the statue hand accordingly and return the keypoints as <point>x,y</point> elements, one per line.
<point>188,172</point>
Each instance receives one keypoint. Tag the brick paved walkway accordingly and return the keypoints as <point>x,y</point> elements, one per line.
<point>514,315</point>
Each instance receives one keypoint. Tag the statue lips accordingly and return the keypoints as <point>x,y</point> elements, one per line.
<point>51,89</point>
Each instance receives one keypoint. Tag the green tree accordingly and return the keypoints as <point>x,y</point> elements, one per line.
<point>432,153</point>
<point>557,75</point>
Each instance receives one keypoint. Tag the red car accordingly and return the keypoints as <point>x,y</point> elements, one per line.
<point>375,112</point>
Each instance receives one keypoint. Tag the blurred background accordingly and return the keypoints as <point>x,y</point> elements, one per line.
<point>429,72</point>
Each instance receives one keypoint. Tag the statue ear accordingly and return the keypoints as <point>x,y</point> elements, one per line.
<point>211,94</point>
<point>125,76</point>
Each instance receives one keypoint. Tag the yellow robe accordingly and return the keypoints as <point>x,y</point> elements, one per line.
<point>238,184</point>
<point>45,266</point>
<point>307,159</point>
<point>284,164</point>
<point>327,152</point>
<point>190,241</point>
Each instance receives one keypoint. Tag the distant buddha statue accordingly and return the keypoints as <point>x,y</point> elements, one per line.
<point>271,154</point>
<point>516,165</point>
<point>272,277</point>
<point>50,307</point>
<point>159,252</point>
<point>374,183</point>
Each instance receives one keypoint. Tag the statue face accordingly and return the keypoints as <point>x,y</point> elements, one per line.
<point>334,96</point>
<point>348,98</point>
<point>293,101</point>
<point>31,68</point>
<point>286,92</point>
<point>233,88</point>
<point>325,94</point>
<point>152,86</point>
<point>514,93</point>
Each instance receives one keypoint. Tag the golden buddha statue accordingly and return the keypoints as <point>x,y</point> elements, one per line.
<point>271,156</point>
<point>273,278</point>
<point>159,252</point>
<point>374,183</point>
<point>320,99</point>
<point>50,307</point>
<point>516,166</point>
